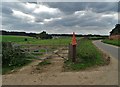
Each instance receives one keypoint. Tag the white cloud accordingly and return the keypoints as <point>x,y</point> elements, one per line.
<point>23,16</point>
<point>30,6</point>
<point>51,19</point>
<point>42,23</point>
<point>41,8</point>
<point>112,15</point>
<point>80,13</point>
<point>46,9</point>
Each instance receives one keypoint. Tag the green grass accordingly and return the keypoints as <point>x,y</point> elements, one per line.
<point>45,62</point>
<point>112,42</point>
<point>61,41</point>
<point>97,38</point>
<point>21,40</point>
<point>37,54</point>
<point>87,56</point>
<point>10,38</point>
<point>42,50</point>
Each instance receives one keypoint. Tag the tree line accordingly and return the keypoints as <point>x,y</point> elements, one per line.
<point>3,32</point>
<point>45,35</point>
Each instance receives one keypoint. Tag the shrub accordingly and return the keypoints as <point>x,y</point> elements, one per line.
<point>25,39</point>
<point>12,56</point>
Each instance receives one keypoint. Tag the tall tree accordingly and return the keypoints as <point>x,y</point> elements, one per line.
<point>44,35</point>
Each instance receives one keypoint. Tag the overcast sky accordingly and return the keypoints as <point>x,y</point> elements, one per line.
<point>60,17</point>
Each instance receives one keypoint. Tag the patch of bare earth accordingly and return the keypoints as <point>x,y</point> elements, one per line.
<point>53,74</point>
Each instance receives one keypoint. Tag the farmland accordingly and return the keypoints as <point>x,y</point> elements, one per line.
<point>31,40</point>
<point>112,42</point>
<point>17,39</point>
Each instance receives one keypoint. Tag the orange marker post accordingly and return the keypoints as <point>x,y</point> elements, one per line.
<point>74,39</point>
<point>74,43</point>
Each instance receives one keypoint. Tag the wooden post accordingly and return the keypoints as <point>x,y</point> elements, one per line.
<point>74,43</point>
<point>74,53</point>
<point>70,52</point>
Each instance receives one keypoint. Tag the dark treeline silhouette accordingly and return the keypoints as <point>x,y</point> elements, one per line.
<point>2,32</point>
<point>44,34</point>
<point>80,35</point>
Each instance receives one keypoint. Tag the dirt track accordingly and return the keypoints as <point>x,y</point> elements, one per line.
<point>53,75</point>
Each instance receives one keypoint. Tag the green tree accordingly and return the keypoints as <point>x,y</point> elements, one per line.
<point>44,35</point>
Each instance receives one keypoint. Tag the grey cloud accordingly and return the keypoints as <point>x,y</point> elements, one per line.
<point>87,23</point>
<point>6,10</point>
<point>16,6</point>
<point>89,19</point>
<point>8,6</point>
<point>70,7</point>
<point>104,6</point>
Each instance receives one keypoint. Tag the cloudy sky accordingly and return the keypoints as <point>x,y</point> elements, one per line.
<point>60,17</point>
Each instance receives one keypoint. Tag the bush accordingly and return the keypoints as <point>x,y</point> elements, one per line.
<point>25,39</point>
<point>12,56</point>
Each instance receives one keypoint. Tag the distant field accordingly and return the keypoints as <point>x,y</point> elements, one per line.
<point>97,38</point>
<point>10,38</point>
<point>112,42</point>
<point>31,40</point>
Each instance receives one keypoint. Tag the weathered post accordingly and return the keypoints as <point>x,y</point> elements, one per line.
<point>74,43</point>
<point>70,52</point>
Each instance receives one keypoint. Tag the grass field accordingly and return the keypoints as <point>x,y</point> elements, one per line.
<point>31,40</point>
<point>17,39</point>
<point>112,42</point>
<point>87,55</point>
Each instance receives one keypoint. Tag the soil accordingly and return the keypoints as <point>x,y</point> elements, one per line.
<point>53,74</point>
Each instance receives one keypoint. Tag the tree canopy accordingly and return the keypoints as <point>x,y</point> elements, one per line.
<point>44,35</point>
